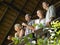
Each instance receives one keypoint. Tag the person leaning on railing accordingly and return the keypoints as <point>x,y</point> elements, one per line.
<point>50,14</point>
<point>18,35</point>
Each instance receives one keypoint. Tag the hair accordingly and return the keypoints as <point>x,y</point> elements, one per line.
<point>47,2</point>
<point>28,15</point>
<point>17,25</point>
<point>41,11</point>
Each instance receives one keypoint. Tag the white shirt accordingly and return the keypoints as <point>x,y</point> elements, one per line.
<point>38,21</point>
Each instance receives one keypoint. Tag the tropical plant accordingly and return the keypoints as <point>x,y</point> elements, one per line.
<point>56,26</point>
<point>52,40</point>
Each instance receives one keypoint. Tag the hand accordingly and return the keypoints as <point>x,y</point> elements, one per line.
<point>9,37</point>
<point>48,24</point>
<point>24,24</point>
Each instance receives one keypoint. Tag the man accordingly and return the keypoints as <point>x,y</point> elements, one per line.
<point>29,24</point>
<point>50,14</point>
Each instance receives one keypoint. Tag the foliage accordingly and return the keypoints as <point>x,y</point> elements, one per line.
<point>38,25</point>
<point>15,40</point>
<point>56,26</point>
<point>46,41</point>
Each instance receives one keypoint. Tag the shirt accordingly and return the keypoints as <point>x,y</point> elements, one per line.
<point>50,13</point>
<point>28,31</point>
<point>39,21</point>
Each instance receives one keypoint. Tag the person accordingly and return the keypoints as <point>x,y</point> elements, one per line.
<point>40,20</point>
<point>29,29</point>
<point>19,31</point>
<point>18,35</point>
<point>29,24</point>
<point>50,14</point>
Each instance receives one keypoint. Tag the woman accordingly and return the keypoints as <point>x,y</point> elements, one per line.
<point>19,31</point>
<point>40,20</point>
<point>18,35</point>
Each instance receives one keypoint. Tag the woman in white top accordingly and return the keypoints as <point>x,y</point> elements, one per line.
<point>41,19</point>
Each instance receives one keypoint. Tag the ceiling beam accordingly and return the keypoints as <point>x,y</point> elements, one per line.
<point>57,4</point>
<point>14,7</point>
<point>24,4</point>
<point>36,7</point>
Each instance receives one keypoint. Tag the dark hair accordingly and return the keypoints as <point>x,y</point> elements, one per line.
<point>47,2</point>
<point>28,15</point>
<point>41,11</point>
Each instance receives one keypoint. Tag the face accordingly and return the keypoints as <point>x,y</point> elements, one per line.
<point>39,14</point>
<point>44,5</point>
<point>27,18</point>
<point>17,28</point>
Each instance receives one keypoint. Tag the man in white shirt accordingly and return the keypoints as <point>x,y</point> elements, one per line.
<point>50,14</point>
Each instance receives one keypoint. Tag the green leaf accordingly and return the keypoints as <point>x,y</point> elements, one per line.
<point>34,25</point>
<point>26,39</point>
<point>30,36</point>
<point>15,40</point>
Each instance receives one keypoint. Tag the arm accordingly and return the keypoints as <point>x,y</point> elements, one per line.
<point>16,35</point>
<point>10,38</point>
<point>51,14</point>
<point>21,33</point>
<point>28,26</point>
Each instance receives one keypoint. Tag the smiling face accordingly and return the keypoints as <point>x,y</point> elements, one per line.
<point>40,14</point>
<point>45,5</point>
<point>17,27</point>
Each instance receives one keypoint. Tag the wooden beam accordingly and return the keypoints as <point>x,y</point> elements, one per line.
<point>14,7</point>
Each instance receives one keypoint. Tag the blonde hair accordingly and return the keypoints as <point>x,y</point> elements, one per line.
<point>17,25</point>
